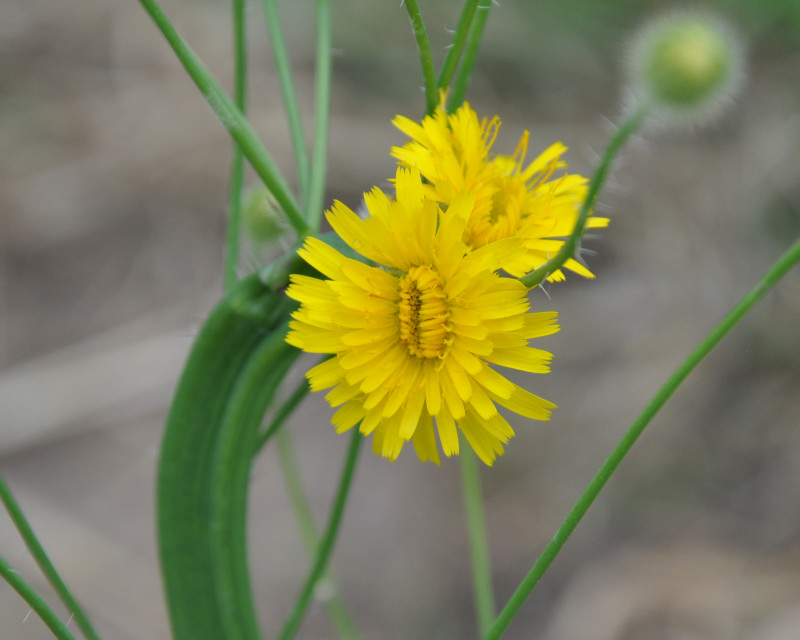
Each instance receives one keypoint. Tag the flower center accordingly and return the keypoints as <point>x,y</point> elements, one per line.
<point>423,313</point>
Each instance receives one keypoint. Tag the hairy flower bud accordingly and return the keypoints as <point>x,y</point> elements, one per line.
<point>262,218</point>
<point>686,67</point>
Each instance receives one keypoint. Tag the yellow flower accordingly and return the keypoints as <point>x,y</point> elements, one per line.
<point>452,152</point>
<point>416,335</point>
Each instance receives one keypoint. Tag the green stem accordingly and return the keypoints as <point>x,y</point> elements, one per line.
<point>281,414</point>
<point>289,94</point>
<point>43,560</point>
<point>455,49</point>
<point>237,160</point>
<point>35,601</point>
<point>788,260</point>
<point>231,118</point>
<point>308,530</point>
<point>322,108</point>
<point>474,38</point>
<point>327,541</point>
<point>621,136</point>
<point>479,547</point>
<point>425,57</point>
<point>297,495</point>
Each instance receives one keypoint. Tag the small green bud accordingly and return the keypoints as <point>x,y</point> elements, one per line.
<point>686,67</point>
<point>262,218</point>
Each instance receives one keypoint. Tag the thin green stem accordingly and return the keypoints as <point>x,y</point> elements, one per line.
<point>322,109</point>
<point>457,46</point>
<point>308,531</point>
<point>327,541</point>
<point>281,414</point>
<point>788,260</point>
<point>36,602</point>
<point>43,560</point>
<point>305,520</point>
<point>478,544</point>
<point>628,127</point>
<point>281,56</point>
<point>474,37</point>
<point>297,495</point>
<point>237,159</point>
<point>231,118</point>
<point>425,57</point>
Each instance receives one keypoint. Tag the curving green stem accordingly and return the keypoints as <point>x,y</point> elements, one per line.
<point>327,541</point>
<point>628,127</point>
<point>36,602</point>
<point>478,544</point>
<point>237,159</point>
<point>322,108</point>
<point>231,117</point>
<point>43,560</point>
<point>276,424</point>
<point>281,57</point>
<point>425,57</point>
<point>474,37</point>
<point>781,267</point>
<point>459,39</point>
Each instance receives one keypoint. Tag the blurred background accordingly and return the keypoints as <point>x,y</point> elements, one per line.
<point>113,191</point>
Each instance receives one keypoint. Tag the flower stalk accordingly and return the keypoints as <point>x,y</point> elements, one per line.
<point>778,270</point>
<point>623,133</point>
<point>327,541</point>
<point>425,56</point>
<point>232,240</point>
<point>457,46</point>
<point>478,543</point>
<point>35,601</point>
<point>337,610</point>
<point>280,56</point>
<point>473,43</point>
<point>231,118</point>
<point>45,564</point>
<point>322,105</point>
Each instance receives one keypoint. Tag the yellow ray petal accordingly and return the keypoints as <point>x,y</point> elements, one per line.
<point>425,441</point>
<point>347,416</point>
<point>448,435</point>
<point>524,359</point>
<point>527,404</point>
<point>481,402</point>
<point>485,445</point>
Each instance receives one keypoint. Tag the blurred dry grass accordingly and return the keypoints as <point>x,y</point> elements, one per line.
<point>112,210</point>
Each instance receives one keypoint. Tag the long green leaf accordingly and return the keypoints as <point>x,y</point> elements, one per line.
<point>230,476</point>
<point>236,328</point>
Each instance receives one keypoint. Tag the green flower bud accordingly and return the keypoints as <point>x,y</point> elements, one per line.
<point>262,218</point>
<point>686,67</point>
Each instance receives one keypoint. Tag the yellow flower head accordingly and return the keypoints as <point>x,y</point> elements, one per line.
<point>452,152</point>
<point>415,336</point>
